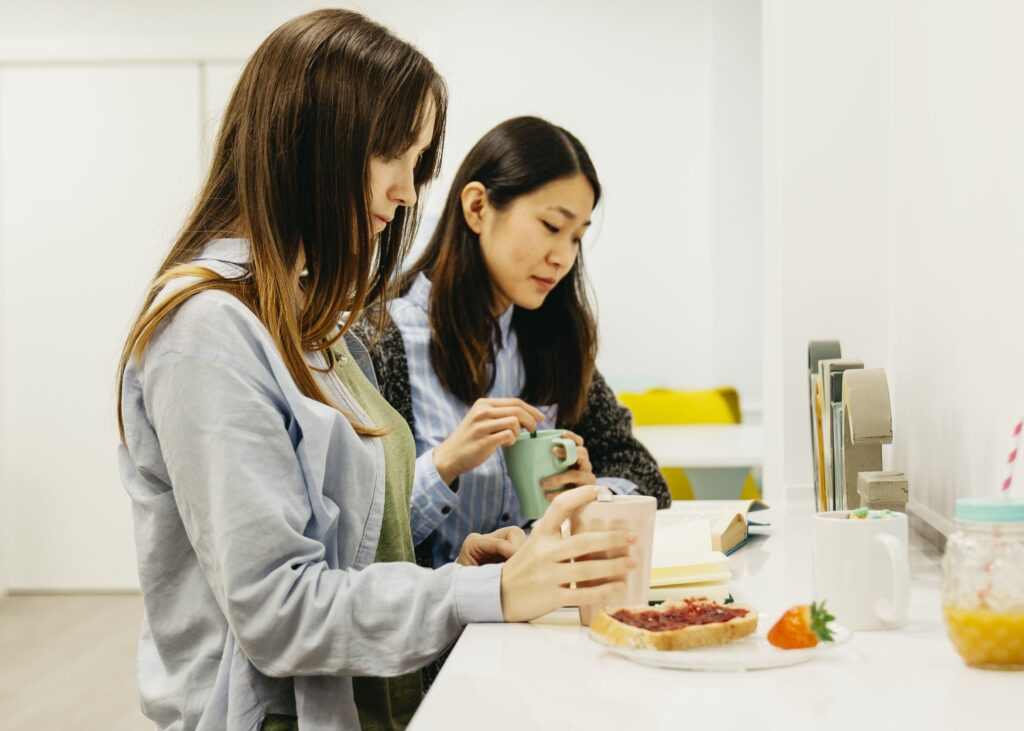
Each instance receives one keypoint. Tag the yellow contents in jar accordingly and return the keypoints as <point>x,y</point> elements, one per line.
<point>986,638</point>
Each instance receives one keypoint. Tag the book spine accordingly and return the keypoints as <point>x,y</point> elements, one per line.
<point>838,458</point>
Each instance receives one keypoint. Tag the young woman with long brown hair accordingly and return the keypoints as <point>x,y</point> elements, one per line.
<point>270,481</point>
<point>493,334</point>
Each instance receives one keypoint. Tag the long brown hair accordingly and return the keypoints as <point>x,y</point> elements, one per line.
<point>558,340</point>
<point>322,95</point>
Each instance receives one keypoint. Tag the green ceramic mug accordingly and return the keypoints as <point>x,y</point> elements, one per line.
<point>530,460</point>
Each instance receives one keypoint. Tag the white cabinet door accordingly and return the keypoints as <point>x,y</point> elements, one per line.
<point>98,166</point>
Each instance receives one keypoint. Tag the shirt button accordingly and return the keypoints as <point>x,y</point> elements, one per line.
<point>505,516</point>
<point>446,509</point>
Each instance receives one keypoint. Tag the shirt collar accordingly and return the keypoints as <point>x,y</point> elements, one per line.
<point>419,291</point>
<point>505,323</point>
<point>230,251</point>
<point>419,295</point>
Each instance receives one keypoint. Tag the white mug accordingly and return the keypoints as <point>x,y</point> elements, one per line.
<point>861,569</point>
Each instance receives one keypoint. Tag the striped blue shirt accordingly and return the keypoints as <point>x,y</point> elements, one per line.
<point>485,500</point>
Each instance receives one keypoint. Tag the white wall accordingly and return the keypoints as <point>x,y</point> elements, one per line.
<point>825,206</point>
<point>957,176</point>
<point>892,135</point>
<point>736,191</point>
<point>663,94</point>
<point>88,201</point>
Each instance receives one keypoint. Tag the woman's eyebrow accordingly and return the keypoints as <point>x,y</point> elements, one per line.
<point>566,212</point>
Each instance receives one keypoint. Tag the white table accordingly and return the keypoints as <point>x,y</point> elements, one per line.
<point>704,445</point>
<point>540,677</point>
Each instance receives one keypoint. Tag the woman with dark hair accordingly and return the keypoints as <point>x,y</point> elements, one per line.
<point>269,480</point>
<point>493,334</point>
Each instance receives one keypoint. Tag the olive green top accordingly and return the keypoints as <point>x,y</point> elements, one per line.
<point>386,703</point>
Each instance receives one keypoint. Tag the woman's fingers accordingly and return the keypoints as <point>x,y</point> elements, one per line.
<point>574,437</point>
<point>582,455</point>
<point>571,477</point>
<point>597,569</point>
<point>525,419</point>
<point>584,544</point>
<point>602,595</point>
<point>484,429</point>
<point>550,495</point>
<point>504,438</point>
<point>515,535</point>
<point>562,506</point>
<point>491,548</point>
<point>515,402</point>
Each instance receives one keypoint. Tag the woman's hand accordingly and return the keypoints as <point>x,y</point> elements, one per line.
<point>491,423</point>
<point>536,579</point>
<point>495,547</point>
<point>581,473</point>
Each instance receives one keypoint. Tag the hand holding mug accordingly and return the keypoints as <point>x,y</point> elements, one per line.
<point>491,423</point>
<point>581,473</point>
<point>536,579</point>
<point>534,458</point>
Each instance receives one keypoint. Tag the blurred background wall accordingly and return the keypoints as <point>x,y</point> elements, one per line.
<point>875,144</point>
<point>107,112</point>
<point>894,166</point>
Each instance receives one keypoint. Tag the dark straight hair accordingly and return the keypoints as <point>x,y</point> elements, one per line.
<point>322,95</point>
<point>558,340</point>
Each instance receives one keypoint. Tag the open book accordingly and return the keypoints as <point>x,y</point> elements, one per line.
<point>682,561</point>
<point>727,519</point>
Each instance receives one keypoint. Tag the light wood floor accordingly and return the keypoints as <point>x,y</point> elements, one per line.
<point>68,662</point>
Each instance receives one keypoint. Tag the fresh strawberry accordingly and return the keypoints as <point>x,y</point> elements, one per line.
<point>802,626</point>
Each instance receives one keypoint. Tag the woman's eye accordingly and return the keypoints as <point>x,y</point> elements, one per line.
<point>549,227</point>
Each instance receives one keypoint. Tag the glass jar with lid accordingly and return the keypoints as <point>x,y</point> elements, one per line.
<point>983,583</point>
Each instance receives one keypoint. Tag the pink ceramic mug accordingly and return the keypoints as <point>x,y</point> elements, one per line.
<point>623,512</point>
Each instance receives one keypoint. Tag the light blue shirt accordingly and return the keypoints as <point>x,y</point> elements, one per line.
<point>257,513</point>
<point>485,500</point>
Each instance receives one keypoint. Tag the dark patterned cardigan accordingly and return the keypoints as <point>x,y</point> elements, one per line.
<point>606,425</point>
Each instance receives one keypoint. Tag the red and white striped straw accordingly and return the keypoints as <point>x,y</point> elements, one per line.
<point>1012,459</point>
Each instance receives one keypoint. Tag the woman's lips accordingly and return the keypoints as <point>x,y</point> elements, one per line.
<point>546,283</point>
<point>381,221</point>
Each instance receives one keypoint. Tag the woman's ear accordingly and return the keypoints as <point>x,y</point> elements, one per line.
<point>474,204</point>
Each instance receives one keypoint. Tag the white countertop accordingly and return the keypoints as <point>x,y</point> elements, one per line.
<point>704,445</point>
<point>552,677</point>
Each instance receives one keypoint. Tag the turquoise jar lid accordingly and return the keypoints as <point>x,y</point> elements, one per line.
<point>990,510</point>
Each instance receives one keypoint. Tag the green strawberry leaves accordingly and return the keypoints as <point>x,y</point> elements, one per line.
<point>819,622</point>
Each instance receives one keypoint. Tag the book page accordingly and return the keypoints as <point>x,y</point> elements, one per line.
<point>679,539</point>
<point>682,551</point>
<point>718,513</point>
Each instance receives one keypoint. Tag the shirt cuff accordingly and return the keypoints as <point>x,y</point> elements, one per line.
<point>618,485</point>
<point>478,594</point>
<point>432,499</point>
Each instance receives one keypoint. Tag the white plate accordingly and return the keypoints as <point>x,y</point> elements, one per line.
<point>750,653</point>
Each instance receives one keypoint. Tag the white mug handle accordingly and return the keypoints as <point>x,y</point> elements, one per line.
<point>894,611</point>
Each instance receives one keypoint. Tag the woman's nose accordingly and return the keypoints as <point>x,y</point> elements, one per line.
<point>403,190</point>
<point>562,253</point>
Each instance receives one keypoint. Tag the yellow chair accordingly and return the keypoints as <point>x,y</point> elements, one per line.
<point>661,407</point>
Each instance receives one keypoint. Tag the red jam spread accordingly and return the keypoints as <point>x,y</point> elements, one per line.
<point>687,614</point>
